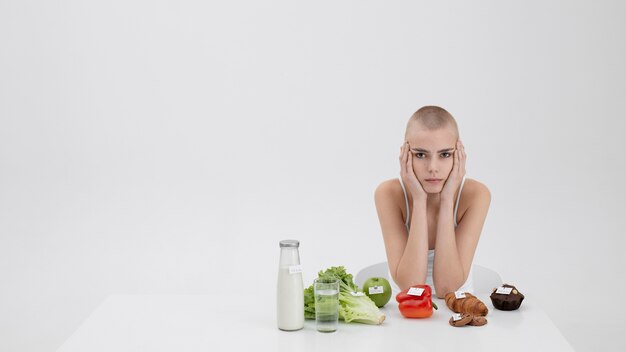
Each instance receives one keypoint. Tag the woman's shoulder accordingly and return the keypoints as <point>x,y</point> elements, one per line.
<point>474,190</point>
<point>474,193</point>
<point>389,188</point>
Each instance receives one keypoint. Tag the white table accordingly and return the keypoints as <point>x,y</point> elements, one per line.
<point>247,322</point>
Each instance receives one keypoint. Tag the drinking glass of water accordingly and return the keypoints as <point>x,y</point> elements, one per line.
<point>326,293</point>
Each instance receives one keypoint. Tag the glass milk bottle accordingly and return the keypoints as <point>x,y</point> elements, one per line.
<point>290,292</point>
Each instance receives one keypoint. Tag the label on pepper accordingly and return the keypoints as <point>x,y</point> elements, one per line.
<point>415,291</point>
<point>357,294</point>
<point>295,269</point>
<point>459,294</point>
<point>374,290</point>
<point>504,290</point>
<point>456,317</point>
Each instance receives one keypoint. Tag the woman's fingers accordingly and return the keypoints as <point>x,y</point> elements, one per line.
<point>409,166</point>
<point>402,159</point>
<point>463,158</point>
<point>455,165</point>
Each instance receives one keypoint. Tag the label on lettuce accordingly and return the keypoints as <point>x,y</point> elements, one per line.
<point>295,269</point>
<point>415,291</point>
<point>374,290</point>
<point>504,290</point>
<point>459,294</point>
<point>357,294</point>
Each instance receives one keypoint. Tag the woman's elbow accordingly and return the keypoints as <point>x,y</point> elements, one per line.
<point>442,290</point>
<point>404,284</point>
<point>441,294</point>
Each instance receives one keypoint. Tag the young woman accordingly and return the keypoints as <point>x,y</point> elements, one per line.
<point>432,216</point>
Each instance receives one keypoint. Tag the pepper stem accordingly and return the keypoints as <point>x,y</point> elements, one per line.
<point>435,306</point>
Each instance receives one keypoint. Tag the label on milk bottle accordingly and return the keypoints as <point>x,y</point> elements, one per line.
<point>295,269</point>
<point>504,290</point>
<point>374,290</point>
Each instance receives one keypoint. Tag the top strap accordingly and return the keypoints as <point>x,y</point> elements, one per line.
<point>458,196</point>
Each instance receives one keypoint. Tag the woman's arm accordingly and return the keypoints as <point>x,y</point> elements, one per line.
<point>455,249</point>
<point>407,254</point>
<point>413,265</point>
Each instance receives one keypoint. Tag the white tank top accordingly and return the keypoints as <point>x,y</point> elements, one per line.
<point>468,285</point>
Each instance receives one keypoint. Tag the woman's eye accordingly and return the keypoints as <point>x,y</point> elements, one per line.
<point>419,155</point>
<point>445,155</point>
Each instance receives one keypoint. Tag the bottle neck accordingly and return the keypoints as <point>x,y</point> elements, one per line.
<point>289,256</point>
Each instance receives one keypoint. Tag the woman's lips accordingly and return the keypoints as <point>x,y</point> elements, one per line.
<point>432,180</point>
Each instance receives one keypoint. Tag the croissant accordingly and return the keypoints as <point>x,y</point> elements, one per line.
<point>470,304</point>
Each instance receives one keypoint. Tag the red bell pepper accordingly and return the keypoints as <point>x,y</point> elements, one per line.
<point>412,305</point>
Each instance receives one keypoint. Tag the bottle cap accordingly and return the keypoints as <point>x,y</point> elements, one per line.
<point>289,243</point>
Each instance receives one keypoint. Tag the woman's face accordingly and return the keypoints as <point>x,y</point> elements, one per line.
<point>432,153</point>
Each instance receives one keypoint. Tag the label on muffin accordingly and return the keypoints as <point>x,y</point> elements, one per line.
<point>504,290</point>
<point>459,294</point>
<point>415,291</point>
<point>456,317</point>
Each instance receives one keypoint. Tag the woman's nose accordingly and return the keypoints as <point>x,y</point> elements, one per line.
<point>432,166</point>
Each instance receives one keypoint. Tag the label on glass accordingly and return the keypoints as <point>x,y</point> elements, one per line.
<point>456,317</point>
<point>374,290</point>
<point>504,290</point>
<point>357,294</point>
<point>415,291</point>
<point>295,269</point>
<point>459,294</point>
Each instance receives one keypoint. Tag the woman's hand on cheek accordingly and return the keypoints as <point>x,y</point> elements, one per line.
<point>456,175</point>
<point>409,179</point>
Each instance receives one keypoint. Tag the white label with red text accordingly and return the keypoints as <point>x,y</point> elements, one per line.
<point>415,291</point>
<point>374,290</point>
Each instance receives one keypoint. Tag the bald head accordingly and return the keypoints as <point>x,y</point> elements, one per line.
<point>431,118</point>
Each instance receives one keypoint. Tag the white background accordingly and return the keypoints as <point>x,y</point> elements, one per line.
<point>167,146</point>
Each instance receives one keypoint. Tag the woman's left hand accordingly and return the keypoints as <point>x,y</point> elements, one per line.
<point>456,175</point>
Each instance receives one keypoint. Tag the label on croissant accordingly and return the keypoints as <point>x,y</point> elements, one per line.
<point>456,317</point>
<point>459,294</point>
<point>504,290</point>
<point>295,269</point>
<point>415,291</point>
<point>374,290</point>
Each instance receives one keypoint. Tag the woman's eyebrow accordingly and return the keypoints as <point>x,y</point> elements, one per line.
<point>426,151</point>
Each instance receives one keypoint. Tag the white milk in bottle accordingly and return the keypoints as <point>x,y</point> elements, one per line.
<point>290,292</point>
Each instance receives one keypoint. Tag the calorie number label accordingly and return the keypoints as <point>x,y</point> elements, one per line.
<point>504,290</point>
<point>415,291</point>
<point>456,317</point>
<point>295,269</point>
<point>357,294</point>
<point>374,290</point>
<point>459,294</point>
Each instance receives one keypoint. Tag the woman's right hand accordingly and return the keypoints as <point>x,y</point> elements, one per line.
<point>408,175</point>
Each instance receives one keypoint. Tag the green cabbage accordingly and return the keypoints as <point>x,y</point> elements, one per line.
<point>359,309</point>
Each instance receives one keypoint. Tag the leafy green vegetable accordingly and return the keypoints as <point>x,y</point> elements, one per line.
<point>360,309</point>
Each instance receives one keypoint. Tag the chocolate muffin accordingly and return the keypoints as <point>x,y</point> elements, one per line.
<point>506,301</point>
